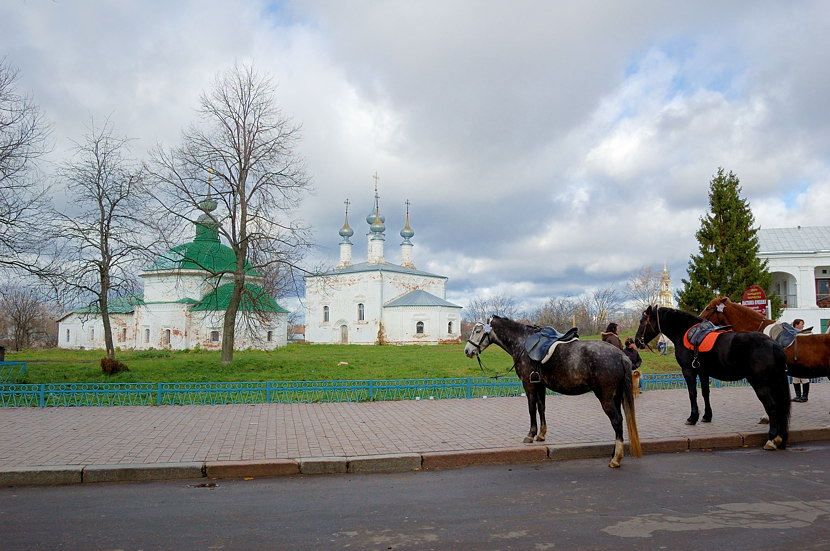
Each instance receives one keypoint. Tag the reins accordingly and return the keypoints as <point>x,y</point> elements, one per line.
<point>487,331</point>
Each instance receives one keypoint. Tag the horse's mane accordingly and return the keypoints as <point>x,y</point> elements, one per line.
<point>534,328</point>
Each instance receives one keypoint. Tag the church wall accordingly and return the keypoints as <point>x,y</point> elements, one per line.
<point>402,323</point>
<point>172,287</point>
<point>342,293</point>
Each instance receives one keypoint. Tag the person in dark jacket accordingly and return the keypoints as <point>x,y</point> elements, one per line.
<point>630,350</point>
<point>610,335</point>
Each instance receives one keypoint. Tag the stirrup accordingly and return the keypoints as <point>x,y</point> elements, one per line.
<point>534,377</point>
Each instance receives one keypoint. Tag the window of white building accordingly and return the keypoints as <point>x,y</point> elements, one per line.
<point>325,314</point>
<point>361,315</point>
<point>419,328</point>
<point>214,336</point>
<point>147,336</point>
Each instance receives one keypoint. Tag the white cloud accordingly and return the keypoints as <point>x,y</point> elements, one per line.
<point>546,148</point>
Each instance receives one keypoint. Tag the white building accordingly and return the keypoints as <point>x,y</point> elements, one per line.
<point>183,304</point>
<point>799,261</point>
<point>378,302</point>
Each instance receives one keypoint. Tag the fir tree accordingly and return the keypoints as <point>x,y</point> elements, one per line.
<point>727,261</point>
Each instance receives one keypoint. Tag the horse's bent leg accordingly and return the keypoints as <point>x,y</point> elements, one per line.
<point>618,454</point>
<point>612,406</point>
<point>704,391</point>
<point>531,406</point>
<point>691,385</point>
<point>777,431</point>
<point>540,407</point>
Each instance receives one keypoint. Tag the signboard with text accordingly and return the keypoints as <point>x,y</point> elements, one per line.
<point>754,297</point>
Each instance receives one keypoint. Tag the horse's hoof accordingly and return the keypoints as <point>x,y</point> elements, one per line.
<point>705,420</point>
<point>763,420</point>
<point>770,445</point>
<point>528,440</point>
<point>540,438</point>
<point>614,464</point>
<point>690,422</point>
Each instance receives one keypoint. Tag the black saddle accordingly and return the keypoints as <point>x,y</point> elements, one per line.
<point>786,334</point>
<point>538,344</point>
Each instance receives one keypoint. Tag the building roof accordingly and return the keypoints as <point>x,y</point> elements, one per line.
<point>419,298</point>
<point>382,267</point>
<point>253,298</point>
<point>120,305</point>
<point>801,239</point>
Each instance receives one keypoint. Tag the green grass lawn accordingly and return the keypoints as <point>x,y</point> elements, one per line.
<point>295,362</point>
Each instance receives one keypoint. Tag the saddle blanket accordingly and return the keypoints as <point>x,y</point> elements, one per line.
<point>702,336</point>
<point>540,345</point>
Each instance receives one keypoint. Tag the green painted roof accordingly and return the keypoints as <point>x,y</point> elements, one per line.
<point>253,298</point>
<point>210,256</point>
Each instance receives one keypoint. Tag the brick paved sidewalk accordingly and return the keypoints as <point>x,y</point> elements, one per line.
<point>285,434</point>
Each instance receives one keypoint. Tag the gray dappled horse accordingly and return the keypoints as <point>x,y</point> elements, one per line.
<point>574,368</point>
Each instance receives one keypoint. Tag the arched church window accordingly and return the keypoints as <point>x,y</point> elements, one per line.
<point>419,328</point>
<point>361,315</point>
<point>214,336</point>
<point>325,314</point>
<point>146,336</point>
<point>166,337</point>
<point>67,335</point>
<point>270,336</point>
<point>449,328</point>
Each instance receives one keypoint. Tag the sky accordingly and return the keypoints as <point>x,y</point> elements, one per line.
<point>547,149</point>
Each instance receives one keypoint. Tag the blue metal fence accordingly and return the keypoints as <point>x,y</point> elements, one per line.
<point>12,371</point>
<point>148,394</point>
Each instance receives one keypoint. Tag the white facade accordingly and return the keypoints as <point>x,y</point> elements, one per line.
<point>183,306</point>
<point>799,261</point>
<point>376,301</point>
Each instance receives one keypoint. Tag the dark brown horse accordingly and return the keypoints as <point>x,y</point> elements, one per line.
<point>733,357</point>
<point>808,357</point>
<point>574,368</point>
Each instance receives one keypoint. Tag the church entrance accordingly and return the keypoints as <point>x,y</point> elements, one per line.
<point>344,334</point>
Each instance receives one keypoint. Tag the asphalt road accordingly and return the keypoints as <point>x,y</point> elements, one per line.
<point>737,499</point>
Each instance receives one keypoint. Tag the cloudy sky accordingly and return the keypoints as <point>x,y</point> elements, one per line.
<point>547,148</point>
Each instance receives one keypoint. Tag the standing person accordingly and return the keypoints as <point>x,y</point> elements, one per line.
<point>610,335</point>
<point>630,350</point>
<point>801,386</point>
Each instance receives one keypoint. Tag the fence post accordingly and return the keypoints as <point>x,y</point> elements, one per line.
<point>42,400</point>
<point>158,394</point>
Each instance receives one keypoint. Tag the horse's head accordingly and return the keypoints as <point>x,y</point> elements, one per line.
<point>480,338</point>
<point>715,311</point>
<point>649,327</point>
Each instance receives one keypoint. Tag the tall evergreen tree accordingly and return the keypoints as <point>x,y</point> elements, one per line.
<point>727,261</point>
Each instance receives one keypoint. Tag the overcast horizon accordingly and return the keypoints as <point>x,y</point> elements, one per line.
<point>547,149</point>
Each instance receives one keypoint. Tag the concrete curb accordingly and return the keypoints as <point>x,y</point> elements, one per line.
<point>77,474</point>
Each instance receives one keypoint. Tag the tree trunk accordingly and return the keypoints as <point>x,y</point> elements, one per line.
<point>229,327</point>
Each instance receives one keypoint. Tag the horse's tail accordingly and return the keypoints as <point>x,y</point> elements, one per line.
<point>628,409</point>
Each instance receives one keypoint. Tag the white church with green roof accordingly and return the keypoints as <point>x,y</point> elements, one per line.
<point>376,301</point>
<point>186,292</point>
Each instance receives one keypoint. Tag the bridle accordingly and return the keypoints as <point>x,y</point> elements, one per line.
<point>486,332</point>
<point>656,307</point>
<point>486,329</point>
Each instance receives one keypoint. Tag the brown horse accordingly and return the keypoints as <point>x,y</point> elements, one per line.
<point>574,368</point>
<point>808,358</point>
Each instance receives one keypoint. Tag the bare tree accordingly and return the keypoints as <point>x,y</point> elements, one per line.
<point>644,287</point>
<point>604,303</point>
<point>558,312</point>
<point>100,233</point>
<point>24,315</point>
<point>23,139</point>
<point>481,308</point>
<point>246,145</point>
